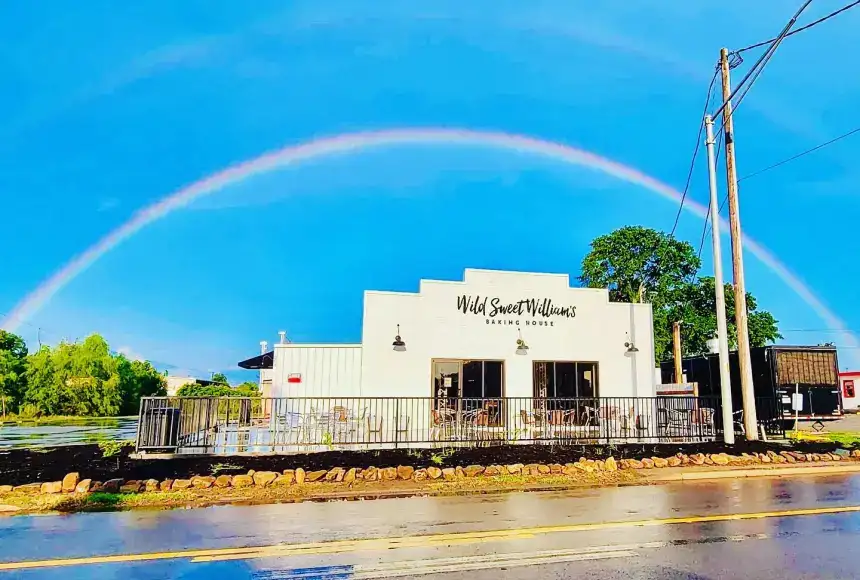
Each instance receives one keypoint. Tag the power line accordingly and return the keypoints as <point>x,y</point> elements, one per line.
<point>799,155</point>
<point>755,70</point>
<point>695,152</point>
<point>802,28</point>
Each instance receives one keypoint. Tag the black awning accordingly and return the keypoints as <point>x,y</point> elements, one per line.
<point>262,361</point>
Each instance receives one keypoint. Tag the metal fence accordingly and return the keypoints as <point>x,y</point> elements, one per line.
<point>283,425</point>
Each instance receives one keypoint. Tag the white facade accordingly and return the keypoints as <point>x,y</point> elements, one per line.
<point>480,318</point>
<point>849,385</point>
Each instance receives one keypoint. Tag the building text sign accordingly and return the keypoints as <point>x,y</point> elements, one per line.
<point>535,311</point>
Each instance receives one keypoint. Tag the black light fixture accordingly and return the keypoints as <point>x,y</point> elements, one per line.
<point>399,345</point>
<point>522,347</point>
<point>631,348</point>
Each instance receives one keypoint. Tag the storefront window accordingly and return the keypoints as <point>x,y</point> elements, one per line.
<point>563,379</point>
<point>471,379</point>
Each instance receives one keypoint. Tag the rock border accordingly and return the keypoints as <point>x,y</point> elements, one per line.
<point>74,484</point>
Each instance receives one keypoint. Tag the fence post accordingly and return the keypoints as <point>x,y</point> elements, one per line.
<point>396,423</point>
<point>140,415</point>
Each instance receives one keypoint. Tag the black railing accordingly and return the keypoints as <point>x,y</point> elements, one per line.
<point>280,425</point>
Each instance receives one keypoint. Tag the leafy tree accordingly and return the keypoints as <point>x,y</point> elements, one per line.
<point>248,389</point>
<point>695,306</point>
<point>13,370</point>
<point>220,378</point>
<point>638,264</point>
<point>138,379</point>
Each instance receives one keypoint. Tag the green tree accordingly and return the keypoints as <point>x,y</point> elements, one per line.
<point>248,389</point>
<point>695,306</point>
<point>220,378</point>
<point>638,264</point>
<point>13,370</point>
<point>138,379</point>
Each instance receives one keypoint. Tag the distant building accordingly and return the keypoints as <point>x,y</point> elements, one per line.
<point>175,383</point>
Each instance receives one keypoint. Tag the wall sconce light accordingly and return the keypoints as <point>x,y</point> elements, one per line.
<point>631,348</point>
<point>522,347</point>
<point>399,345</point>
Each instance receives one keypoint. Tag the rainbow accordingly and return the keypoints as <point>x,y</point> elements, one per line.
<point>351,142</point>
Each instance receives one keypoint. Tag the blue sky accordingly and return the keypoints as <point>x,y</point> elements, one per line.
<point>108,109</point>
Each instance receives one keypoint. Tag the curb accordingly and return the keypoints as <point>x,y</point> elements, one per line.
<point>755,472</point>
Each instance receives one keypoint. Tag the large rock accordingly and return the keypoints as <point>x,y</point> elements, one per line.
<point>350,475</point>
<point>405,472</point>
<point>720,458</point>
<point>389,473</point>
<point>855,454</point>
<point>697,459</point>
<point>300,476</point>
<point>202,481</point>
<point>113,485</point>
<point>674,461</point>
<point>223,481</point>
<point>166,485</point>
<point>151,485</point>
<point>131,486</point>
<point>96,486</point>
<point>6,488</point>
<point>242,481</point>
<point>419,475</point>
<point>515,468</point>
<point>282,481</point>
<point>313,476</point>
<point>647,463</point>
<point>835,457</point>
<point>531,469</point>
<point>473,470</point>
<point>264,478</point>
<point>788,457</point>
<point>84,486</point>
<point>335,475</point>
<point>659,462</point>
<point>371,474</point>
<point>52,487</point>
<point>70,482</point>
<point>555,468</point>
<point>434,472</point>
<point>290,474</point>
<point>180,484</point>
<point>635,464</point>
<point>493,471</point>
<point>543,469</point>
<point>570,469</point>
<point>460,472</point>
<point>28,488</point>
<point>449,473</point>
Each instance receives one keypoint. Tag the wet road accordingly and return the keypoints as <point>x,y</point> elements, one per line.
<point>756,528</point>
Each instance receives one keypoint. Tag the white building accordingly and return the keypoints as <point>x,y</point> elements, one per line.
<point>494,334</point>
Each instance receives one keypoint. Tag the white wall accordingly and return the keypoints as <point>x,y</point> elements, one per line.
<point>327,370</point>
<point>433,327</point>
<point>850,404</point>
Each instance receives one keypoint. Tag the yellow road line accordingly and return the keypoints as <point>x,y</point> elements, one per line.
<point>340,546</point>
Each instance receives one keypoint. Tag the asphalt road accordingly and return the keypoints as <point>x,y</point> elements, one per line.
<point>754,528</point>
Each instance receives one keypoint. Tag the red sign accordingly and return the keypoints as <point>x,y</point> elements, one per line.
<point>294,378</point>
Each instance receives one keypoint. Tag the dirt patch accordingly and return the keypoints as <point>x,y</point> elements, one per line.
<point>21,466</point>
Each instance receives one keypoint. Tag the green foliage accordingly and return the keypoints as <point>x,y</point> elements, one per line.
<point>13,369</point>
<point>639,264</point>
<point>73,378</point>
<point>220,378</point>
<point>113,447</point>
<point>198,390</point>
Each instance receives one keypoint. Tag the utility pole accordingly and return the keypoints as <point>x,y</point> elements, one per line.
<point>722,326</point>
<point>676,352</point>
<point>750,418</point>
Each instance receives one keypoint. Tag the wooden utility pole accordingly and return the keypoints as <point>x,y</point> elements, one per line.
<point>676,352</point>
<point>750,418</point>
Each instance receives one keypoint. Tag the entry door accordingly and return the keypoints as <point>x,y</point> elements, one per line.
<point>447,385</point>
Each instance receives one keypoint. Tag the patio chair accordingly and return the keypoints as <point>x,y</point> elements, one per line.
<point>441,425</point>
<point>532,427</point>
<point>609,419</point>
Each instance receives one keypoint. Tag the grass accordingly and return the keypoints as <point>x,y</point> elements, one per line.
<point>846,438</point>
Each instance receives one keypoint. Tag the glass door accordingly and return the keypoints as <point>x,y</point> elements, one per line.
<point>447,386</point>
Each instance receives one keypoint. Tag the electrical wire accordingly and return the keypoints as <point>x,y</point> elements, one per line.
<point>799,155</point>
<point>759,64</point>
<point>695,152</point>
<point>802,28</point>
